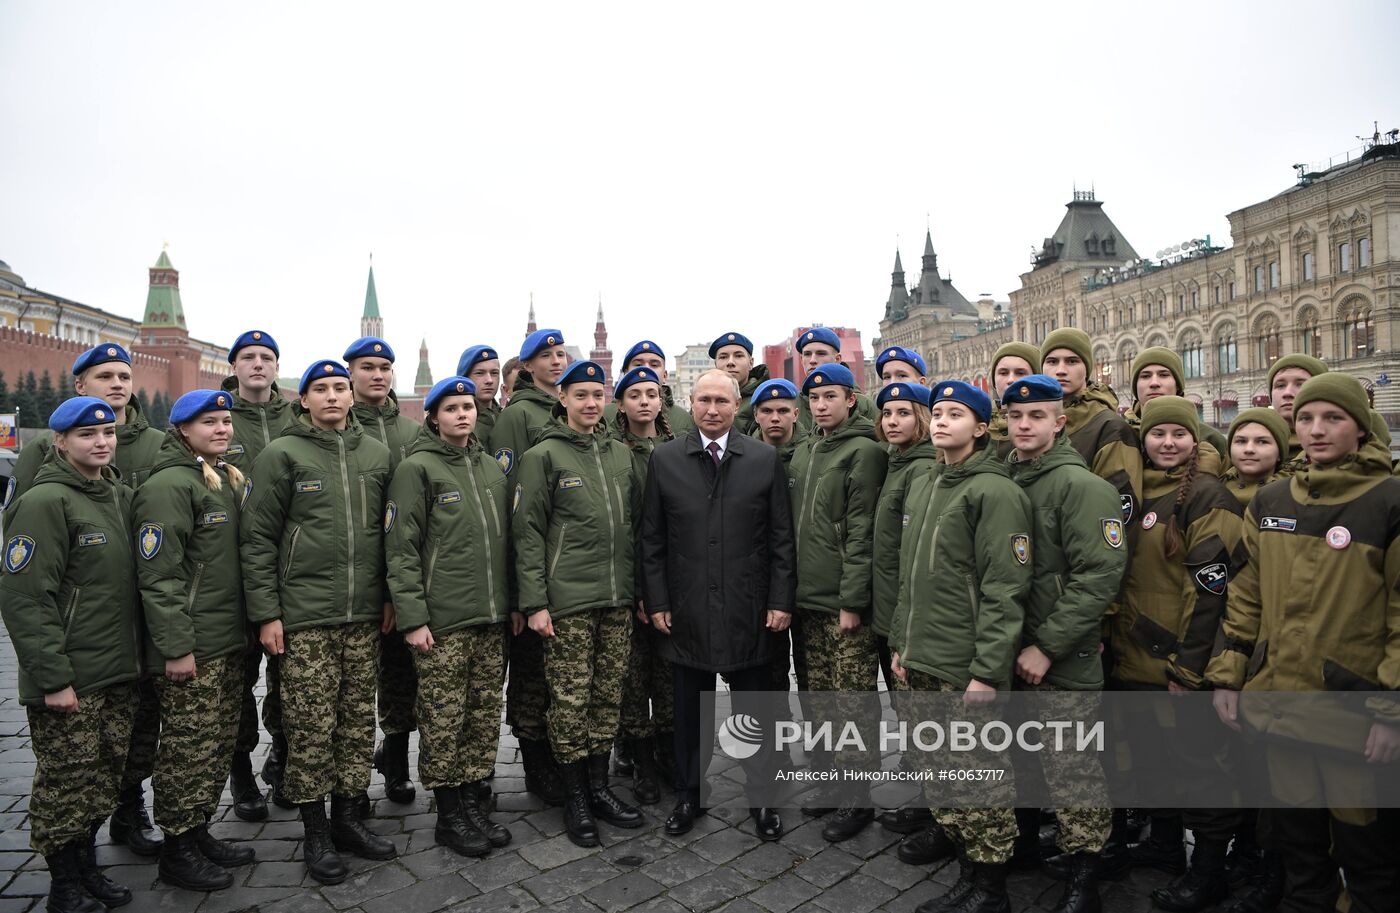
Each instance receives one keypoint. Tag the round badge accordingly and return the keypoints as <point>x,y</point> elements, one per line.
<point>221,400</point>
<point>947,391</point>
<point>100,414</point>
<point>328,368</point>
<point>257,336</point>
<point>775,393</point>
<point>1339,537</point>
<point>1149,520</point>
<point>731,337</point>
<point>817,379</point>
<point>894,391</point>
<point>378,347</point>
<point>646,345</point>
<point>461,387</point>
<point>890,353</point>
<point>111,350</point>
<point>549,340</point>
<point>591,372</point>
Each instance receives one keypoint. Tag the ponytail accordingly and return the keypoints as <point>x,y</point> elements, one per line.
<point>212,480</point>
<point>1172,541</point>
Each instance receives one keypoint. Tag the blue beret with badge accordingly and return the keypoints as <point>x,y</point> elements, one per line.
<point>901,391</point>
<point>645,347</point>
<point>197,402</point>
<point>1033,388</point>
<point>538,341</point>
<point>253,338</point>
<point>448,386</point>
<point>730,339</point>
<point>824,335</point>
<point>80,412</point>
<point>369,347</point>
<point>638,375</point>
<point>828,376</point>
<point>958,391</point>
<point>777,388</point>
<point>899,353</point>
<point>583,372</point>
<point>473,357</point>
<point>99,354</point>
<point>320,369</point>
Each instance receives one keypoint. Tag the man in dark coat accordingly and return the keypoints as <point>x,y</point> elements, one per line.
<point>717,567</point>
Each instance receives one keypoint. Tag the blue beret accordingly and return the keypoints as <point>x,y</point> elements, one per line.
<point>1035,388</point>
<point>819,334</point>
<point>540,339</point>
<point>473,357</point>
<point>320,369</point>
<point>903,391</point>
<point>829,375</point>
<point>583,372</point>
<point>730,339</point>
<point>638,375</point>
<point>961,392</point>
<point>81,411</point>
<point>197,402</point>
<point>448,386</point>
<point>777,388</point>
<point>899,353</point>
<point>253,338</point>
<point>369,346</point>
<point>99,354</point>
<point>645,347</point>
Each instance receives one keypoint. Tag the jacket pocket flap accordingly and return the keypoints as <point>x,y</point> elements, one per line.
<point>1336,677</point>
<point>1156,639</point>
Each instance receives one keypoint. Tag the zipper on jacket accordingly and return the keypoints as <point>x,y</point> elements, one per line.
<point>194,587</point>
<point>432,563</point>
<point>808,504</point>
<point>496,517</point>
<point>349,526</point>
<point>1059,585</point>
<point>558,548</point>
<point>262,417</point>
<point>914,567</point>
<point>291,553</point>
<point>612,522</point>
<point>486,539</point>
<point>364,500</point>
<point>974,602</point>
<point>72,610</point>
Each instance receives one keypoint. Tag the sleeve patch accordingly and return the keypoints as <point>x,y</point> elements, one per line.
<point>1112,532</point>
<point>18,551</point>
<point>149,539</point>
<point>391,513</point>
<point>1213,578</point>
<point>9,493</point>
<point>1021,547</point>
<point>506,458</point>
<point>247,490</point>
<point>313,485</point>
<point>1127,503</point>
<point>515,503</point>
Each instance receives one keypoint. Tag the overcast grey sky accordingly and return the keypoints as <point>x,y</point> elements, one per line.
<point>705,167</point>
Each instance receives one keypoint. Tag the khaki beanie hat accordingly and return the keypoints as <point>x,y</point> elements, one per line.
<point>1020,350</point>
<point>1076,340</point>
<point>1339,389</point>
<point>1262,415</point>
<point>1170,410</point>
<point>1297,360</point>
<point>1159,355</point>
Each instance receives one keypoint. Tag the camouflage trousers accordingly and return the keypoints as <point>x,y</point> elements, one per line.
<point>248,703</point>
<point>584,663</point>
<point>986,832</point>
<point>145,736</point>
<point>398,684</point>
<point>328,710</point>
<point>459,705</point>
<point>199,722</point>
<point>1076,782</point>
<point>527,692</point>
<point>78,761</point>
<point>842,662</point>
<point>648,699</point>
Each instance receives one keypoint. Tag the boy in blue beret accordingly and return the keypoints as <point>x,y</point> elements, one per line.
<point>820,346</point>
<point>482,366</point>
<point>647,354</point>
<point>733,354</point>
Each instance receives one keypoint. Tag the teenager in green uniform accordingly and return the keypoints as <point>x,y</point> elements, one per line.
<point>575,496</point>
<point>821,346</point>
<point>1011,362</point>
<point>1158,371</point>
<point>260,413</point>
<point>185,523</point>
<point>1314,607</point>
<point>1258,449</point>
<point>482,366</point>
<point>1286,378</point>
<point>371,363</point>
<point>966,522</point>
<point>446,540</point>
<point>774,409</point>
<point>69,603</point>
<point>837,478</point>
<point>312,547</point>
<point>1165,631</point>
<point>733,354</point>
<point>647,354</point>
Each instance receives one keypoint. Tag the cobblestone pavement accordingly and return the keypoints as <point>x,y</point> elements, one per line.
<point>719,866</point>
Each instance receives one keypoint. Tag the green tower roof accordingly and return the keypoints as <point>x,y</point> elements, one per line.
<point>425,374</point>
<point>371,298</point>
<point>163,305</point>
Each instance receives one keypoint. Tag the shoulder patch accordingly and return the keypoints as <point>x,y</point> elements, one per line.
<point>18,551</point>
<point>506,458</point>
<point>247,490</point>
<point>570,482</point>
<point>391,513</point>
<point>1112,532</point>
<point>1127,502</point>
<point>86,539</point>
<point>9,493</point>
<point>313,485</point>
<point>515,503</point>
<point>234,450</point>
<point>149,539</point>
<point>1213,578</point>
<point>449,497</point>
<point>1021,547</point>
<point>214,516</point>
<point>1282,524</point>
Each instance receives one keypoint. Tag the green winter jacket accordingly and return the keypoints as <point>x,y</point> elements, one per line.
<point>744,422</point>
<point>137,443</point>
<point>837,478</point>
<point>187,561</point>
<point>904,467</point>
<point>312,531</point>
<point>67,593</point>
<point>575,497</point>
<point>1077,563</point>
<point>255,425</point>
<point>965,572</point>
<point>527,415</point>
<point>486,417</point>
<point>865,408</point>
<point>446,537</point>
<point>640,448</point>
<point>385,425</point>
<point>677,419</point>
<point>1107,444</point>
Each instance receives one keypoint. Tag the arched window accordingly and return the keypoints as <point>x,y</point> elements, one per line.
<point>1192,354</point>
<point>1227,354</point>
<point>1124,372</point>
<point>1269,339</point>
<point>1357,331</point>
<point>1103,365</point>
<point>1309,334</point>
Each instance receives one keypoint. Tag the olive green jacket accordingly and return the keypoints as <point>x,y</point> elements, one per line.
<point>678,420</point>
<point>312,531</point>
<point>904,467</point>
<point>137,443</point>
<point>447,537</point>
<point>744,422</point>
<point>67,593</point>
<point>837,479</point>
<point>486,418</point>
<point>255,425</point>
<point>964,572</point>
<point>527,415</point>
<point>388,427</point>
<point>575,499</point>
<point>1107,444</point>
<point>187,561</point>
<point>865,408</point>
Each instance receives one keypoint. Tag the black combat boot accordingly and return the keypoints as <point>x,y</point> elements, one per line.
<point>1204,883</point>
<point>909,820</point>
<point>644,785</point>
<point>852,817</point>
<point>350,836</point>
<point>249,803</point>
<point>94,882</point>
<point>131,825</point>
<point>391,759</point>
<point>1081,894</point>
<point>66,893</point>
<point>476,815</point>
<point>542,775</point>
<point>317,848</point>
<point>452,829</point>
<point>955,895</point>
<point>927,846</point>
<point>1264,891</point>
<point>603,802</point>
<point>578,819</point>
<point>184,866</point>
<point>1164,849</point>
<point>988,894</point>
<point>623,758</point>
<point>225,852</point>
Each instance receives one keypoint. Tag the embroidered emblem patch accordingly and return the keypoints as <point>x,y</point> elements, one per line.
<point>215,516</point>
<point>149,539</point>
<point>506,458</point>
<point>451,497</point>
<point>570,482</point>
<point>1112,532</point>
<point>233,450</point>
<point>18,551</point>
<point>314,485</point>
<point>391,513</point>
<point>1213,578</point>
<point>1127,502</point>
<point>247,490</point>
<point>1021,547</point>
<point>9,493</point>
<point>1282,524</point>
<point>86,539</point>
<point>515,503</point>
